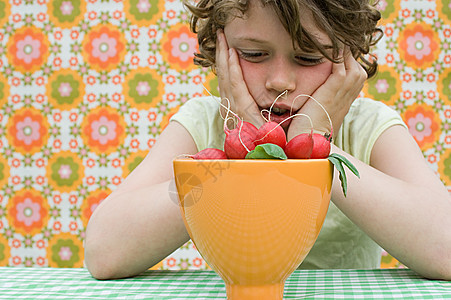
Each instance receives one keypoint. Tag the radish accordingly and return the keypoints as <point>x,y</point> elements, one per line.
<point>210,153</point>
<point>321,146</point>
<point>249,127</point>
<point>240,141</point>
<point>273,133</point>
<point>300,146</point>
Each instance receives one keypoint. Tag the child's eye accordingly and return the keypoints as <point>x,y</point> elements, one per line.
<point>252,56</point>
<point>309,61</point>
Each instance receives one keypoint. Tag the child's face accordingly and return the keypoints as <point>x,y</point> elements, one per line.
<point>269,63</point>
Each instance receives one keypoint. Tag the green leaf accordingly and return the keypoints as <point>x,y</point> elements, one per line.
<point>267,151</point>
<point>347,163</point>
<point>338,164</point>
<point>338,160</point>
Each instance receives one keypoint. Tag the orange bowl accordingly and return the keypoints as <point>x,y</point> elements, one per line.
<point>253,221</point>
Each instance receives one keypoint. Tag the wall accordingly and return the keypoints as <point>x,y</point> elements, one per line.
<point>86,87</point>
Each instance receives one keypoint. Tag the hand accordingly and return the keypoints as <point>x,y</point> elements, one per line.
<point>336,95</point>
<point>232,87</point>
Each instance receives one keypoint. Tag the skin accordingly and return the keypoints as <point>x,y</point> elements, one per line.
<point>139,224</point>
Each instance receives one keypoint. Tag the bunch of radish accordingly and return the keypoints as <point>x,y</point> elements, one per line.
<point>269,141</point>
<point>242,142</point>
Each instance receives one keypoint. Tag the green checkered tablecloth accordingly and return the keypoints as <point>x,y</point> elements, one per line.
<point>48,283</point>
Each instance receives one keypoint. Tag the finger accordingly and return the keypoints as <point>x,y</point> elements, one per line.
<point>246,105</point>
<point>356,74</point>
<point>237,84</point>
<point>222,58</point>
<point>338,74</point>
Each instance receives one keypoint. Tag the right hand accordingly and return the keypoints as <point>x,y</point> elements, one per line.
<point>232,87</point>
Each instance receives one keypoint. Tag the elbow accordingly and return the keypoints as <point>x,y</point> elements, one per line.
<point>108,259</point>
<point>443,267</point>
<point>443,260</point>
<point>439,267</point>
<point>99,259</point>
<point>96,262</point>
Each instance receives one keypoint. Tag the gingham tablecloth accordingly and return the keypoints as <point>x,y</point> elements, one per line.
<point>48,283</point>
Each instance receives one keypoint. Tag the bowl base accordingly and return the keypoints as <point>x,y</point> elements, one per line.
<point>257,292</point>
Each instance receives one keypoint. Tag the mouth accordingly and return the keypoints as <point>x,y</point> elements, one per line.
<point>279,111</point>
<point>278,115</point>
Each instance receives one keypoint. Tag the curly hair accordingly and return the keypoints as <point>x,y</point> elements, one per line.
<point>349,22</point>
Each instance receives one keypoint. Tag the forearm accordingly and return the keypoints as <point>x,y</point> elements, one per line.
<point>130,232</point>
<point>410,221</point>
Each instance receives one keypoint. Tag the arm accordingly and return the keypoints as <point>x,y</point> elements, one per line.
<point>401,204</point>
<point>139,224</point>
<point>398,202</point>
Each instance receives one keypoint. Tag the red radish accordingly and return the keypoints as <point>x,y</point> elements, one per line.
<point>240,141</point>
<point>210,153</point>
<point>249,127</point>
<point>321,146</point>
<point>300,146</point>
<point>271,132</point>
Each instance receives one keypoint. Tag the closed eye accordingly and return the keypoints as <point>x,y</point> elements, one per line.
<point>309,61</point>
<point>252,56</point>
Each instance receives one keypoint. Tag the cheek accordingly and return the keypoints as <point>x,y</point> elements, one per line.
<point>311,78</point>
<point>253,75</point>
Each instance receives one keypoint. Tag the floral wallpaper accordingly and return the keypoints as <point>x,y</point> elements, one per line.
<point>86,87</point>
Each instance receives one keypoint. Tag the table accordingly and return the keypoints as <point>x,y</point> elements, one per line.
<point>53,283</point>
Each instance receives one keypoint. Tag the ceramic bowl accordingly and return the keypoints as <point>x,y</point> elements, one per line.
<point>253,221</point>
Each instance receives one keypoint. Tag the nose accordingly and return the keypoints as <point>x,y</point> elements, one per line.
<point>281,77</point>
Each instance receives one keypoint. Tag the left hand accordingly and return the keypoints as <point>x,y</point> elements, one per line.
<point>336,95</point>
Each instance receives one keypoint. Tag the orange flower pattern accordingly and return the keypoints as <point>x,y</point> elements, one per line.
<point>86,87</point>
<point>419,45</point>
<point>179,45</point>
<point>104,47</point>
<point>27,130</point>
<point>423,125</point>
<point>103,130</point>
<point>27,212</point>
<point>28,49</point>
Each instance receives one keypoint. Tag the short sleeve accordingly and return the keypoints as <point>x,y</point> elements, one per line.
<point>366,120</point>
<point>200,116</point>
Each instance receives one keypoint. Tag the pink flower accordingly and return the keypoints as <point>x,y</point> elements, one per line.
<point>419,45</point>
<point>143,6</point>
<point>183,47</point>
<point>382,86</point>
<point>420,126</point>
<point>28,130</point>
<point>103,130</point>
<point>65,253</point>
<point>143,88</point>
<point>382,5</point>
<point>65,89</point>
<point>28,212</point>
<point>28,49</point>
<point>104,47</point>
<point>65,171</point>
<point>66,8</point>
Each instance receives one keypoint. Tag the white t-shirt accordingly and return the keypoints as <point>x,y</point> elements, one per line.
<point>340,244</point>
